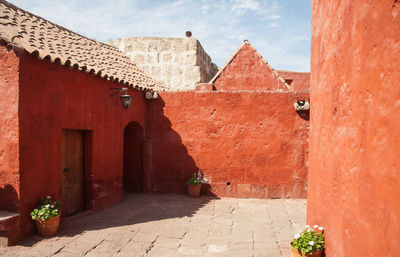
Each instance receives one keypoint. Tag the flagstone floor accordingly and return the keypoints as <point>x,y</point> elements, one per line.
<point>175,225</point>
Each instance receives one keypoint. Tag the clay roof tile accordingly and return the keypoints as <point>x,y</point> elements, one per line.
<point>51,42</point>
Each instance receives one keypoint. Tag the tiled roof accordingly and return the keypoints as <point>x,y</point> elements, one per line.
<point>246,42</point>
<point>49,41</point>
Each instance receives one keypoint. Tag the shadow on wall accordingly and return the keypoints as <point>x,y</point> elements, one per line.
<point>9,198</point>
<point>305,115</point>
<point>171,166</point>
<point>171,163</point>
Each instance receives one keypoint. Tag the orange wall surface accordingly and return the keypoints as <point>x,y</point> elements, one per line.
<point>254,140</point>
<point>300,80</point>
<point>9,130</point>
<point>52,98</point>
<point>247,71</point>
<point>354,176</point>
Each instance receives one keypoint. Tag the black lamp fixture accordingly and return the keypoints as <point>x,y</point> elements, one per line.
<point>302,106</point>
<point>125,98</point>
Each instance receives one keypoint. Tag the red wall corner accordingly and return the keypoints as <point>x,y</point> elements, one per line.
<point>9,130</point>
<point>354,175</point>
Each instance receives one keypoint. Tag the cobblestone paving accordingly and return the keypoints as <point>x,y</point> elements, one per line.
<point>175,225</point>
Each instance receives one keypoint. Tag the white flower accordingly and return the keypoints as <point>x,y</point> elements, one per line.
<point>47,205</point>
<point>316,226</point>
<point>52,206</point>
<point>296,236</point>
<point>307,227</point>
<point>311,243</point>
<point>321,228</point>
<point>48,197</point>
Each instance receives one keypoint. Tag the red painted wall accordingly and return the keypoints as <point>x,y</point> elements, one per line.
<point>354,181</point>
<point>254,140</point>
<point>247,71</point>
<point>53,97</point>
<point>9,130</point>
<point>300,80</point>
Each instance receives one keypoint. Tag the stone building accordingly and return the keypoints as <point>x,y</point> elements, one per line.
<point>180,63</point>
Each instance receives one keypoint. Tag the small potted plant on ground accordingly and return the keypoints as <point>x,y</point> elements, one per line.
<point>310,242</point>
<point>194,184</point>
<point>47,216</point>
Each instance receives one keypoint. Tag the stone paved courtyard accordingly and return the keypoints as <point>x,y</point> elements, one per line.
<point>175,225</point>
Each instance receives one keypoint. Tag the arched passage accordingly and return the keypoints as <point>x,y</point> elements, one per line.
<point>133,166</point>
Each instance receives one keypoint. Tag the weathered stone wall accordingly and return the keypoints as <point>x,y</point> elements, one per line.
<point>180,63</point>
<point>354,175</point>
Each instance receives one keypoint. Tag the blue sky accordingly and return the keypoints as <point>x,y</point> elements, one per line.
<point>279,29</point>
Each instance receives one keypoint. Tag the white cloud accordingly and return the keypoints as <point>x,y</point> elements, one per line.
<point>204,8</point>
<point>219,28</point>
<point>274,25</point>
<point>241,6</point>
<point>178,2</point>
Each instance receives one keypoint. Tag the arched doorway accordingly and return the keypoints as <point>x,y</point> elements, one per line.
<point>133,166</point>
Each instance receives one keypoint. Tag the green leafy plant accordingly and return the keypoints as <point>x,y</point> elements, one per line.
<point>195,179</point>
<point>310,240</point>
<point>46,209</point>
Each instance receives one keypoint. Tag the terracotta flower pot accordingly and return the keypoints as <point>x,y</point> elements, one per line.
<point>296,253</point>
<point>48,227</point>
<point>193,190</point>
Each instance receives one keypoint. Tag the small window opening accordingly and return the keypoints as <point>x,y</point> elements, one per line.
<point>289,81</point>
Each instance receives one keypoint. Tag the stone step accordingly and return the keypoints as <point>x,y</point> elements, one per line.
<point>9,221</point>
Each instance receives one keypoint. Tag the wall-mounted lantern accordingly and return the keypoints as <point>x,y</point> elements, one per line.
<point>301,105</point>
<point>150,95</point>
<point>125,98</point>
<point>302,108</point>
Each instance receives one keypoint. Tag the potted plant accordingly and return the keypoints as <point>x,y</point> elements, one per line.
<point>310,242</point>
<point>194,184</point>
<point>47,216</point>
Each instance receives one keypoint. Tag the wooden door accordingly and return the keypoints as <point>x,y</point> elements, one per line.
<point>72,169</point>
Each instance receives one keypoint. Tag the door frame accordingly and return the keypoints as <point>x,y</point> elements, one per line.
<point>87,167</point>
<point>138,128</point>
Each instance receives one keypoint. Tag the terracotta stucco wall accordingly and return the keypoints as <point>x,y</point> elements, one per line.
<point>300,80</point>
<point>248,71</point>
<point>52,98</point>
<point>9,130</point>
<point>254,140</point>
<point>354,178</point>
